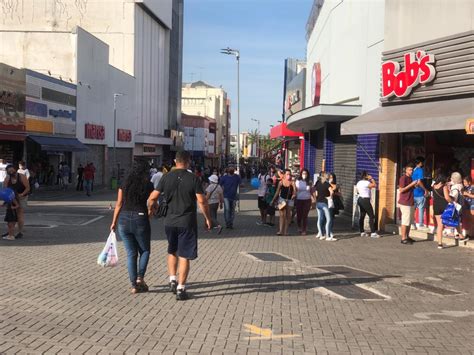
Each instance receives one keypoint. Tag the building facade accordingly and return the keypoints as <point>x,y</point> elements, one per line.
<point>136,36</point>
<point>202,99</point>
<point>426,102</point>
<point>339,87</point>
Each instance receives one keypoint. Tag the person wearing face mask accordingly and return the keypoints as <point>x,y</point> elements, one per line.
<point>18,183</point>
<point>324,193</point>
<point>286,193</point>
<point>303,200</point>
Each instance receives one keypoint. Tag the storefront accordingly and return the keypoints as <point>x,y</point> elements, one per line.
<point>426,103</point>
<point>12,113</point>
<point>292,147</point>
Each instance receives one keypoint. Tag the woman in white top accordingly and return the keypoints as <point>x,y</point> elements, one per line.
<point>215,198</point>
<point>364,187</point>
<point>303,200</point>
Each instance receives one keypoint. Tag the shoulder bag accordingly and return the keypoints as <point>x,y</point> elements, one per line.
<point>162,210</point>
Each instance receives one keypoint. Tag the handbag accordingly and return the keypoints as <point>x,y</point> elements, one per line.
<point>450,216</point>
<point>162,210</point>
<point>109,256</point>
<point>281,203</point>
<point>338,204</point>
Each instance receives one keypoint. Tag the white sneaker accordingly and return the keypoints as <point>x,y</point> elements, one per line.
<point>374,235</point>
<point>332,239</point>
<point>323,237</point>
<point>413,226</point>
<point>318,236</point>
<point>363,234</point>
<point>432,229</point>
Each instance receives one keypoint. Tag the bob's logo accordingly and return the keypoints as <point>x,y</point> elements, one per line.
<point>418,69</point>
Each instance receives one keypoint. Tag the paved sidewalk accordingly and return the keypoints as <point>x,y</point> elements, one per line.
<point>56,299</point>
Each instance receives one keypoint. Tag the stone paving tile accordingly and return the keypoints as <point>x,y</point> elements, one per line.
<point>62,302</point>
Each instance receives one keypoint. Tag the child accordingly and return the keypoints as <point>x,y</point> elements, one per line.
<point>271,189</point>
<point>11,218</point>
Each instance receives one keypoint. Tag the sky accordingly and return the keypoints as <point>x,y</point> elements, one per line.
<point>265,31</point>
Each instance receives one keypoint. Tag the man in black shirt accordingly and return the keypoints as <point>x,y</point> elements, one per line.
<point>181,190</point>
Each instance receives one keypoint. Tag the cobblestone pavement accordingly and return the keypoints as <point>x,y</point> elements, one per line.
<point>55,298</point>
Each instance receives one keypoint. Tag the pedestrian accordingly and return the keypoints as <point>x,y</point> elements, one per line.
<point>456,188</point>
<point>406,202</point>
<point>335,201</point>
<point>303,200</point>
<point>11,217</point>
<point>23,170</point>
<point>155,179</point>
<point>215,198</point>
<point>3,172</point>
<point>286,194</point>
<point>468,208</point>
<point>92,168</point>
<point>262,189</point>
<point>364,191</point>
<point>80,178</point>
<point>133,225</point>
<point>20,185</point>
<point>420,192</point>
<point>323,192</point>
<point>230,183</point>
<point>88,178</point>
<point>269,195</point>
<point>65,173</point>
<point>440,201</point>
<point>182,190</point>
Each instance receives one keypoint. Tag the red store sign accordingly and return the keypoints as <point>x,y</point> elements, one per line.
<point>418,69</point>
<point>124,135</point>
<point>94,131</point>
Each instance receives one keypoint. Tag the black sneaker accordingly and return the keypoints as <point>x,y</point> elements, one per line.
<point>19,236</point>
<point>406,241</point>
<point>173,286</point>
<point>5,234</point>
<point>411,240</point>
<point>181,295</point>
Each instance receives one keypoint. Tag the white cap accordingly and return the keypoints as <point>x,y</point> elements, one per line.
<point>214,179</point>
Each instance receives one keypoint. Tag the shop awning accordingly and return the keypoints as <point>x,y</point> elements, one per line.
<point>282,131</point>
<point>443,115</point>
<point>313,118</point>
<point>59,144</point>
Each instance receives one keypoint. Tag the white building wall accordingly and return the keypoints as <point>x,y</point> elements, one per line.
<point>347,41</point>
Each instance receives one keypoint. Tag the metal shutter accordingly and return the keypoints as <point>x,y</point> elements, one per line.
<point>345,168</point>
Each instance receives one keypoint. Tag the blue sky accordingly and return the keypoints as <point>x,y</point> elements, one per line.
<point>265,31</point>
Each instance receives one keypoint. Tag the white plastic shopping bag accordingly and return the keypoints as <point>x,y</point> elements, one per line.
<point>109,256</point>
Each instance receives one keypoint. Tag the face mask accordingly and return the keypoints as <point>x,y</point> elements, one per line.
<point>288,178</point>
<point>330,180</point>
<point>304,176</point>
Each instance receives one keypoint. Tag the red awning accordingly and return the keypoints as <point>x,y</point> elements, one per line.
<point>282,131</point>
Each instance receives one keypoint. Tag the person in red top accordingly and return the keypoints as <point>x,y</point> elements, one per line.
<point>406,202</point>
<point>88,178</point>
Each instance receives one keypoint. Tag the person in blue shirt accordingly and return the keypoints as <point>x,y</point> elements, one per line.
<point>230,183</point>
<point>420,193</point>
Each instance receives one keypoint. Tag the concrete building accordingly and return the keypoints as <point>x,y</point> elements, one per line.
<point>40,35</point>
<point>202,99</point>
<point>344,43</point>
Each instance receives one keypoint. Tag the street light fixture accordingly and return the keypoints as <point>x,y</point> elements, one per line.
<point>236,53</point>
<point>115,170</point>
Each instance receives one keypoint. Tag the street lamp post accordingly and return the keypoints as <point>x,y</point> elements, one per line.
<point>236,53</point>
<point>114,170</point>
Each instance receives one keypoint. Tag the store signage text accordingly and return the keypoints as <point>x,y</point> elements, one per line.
<point>63,114</point>
<point>293,98</point>
<point>124,135</point>
<point>149,149</point>
<point>418,69</point>
<point>316,84</point>
<point>470,126</point>
<point>94,131</point>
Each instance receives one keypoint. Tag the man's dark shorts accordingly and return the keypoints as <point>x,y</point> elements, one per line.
<point>270,210</point>
<point>182,241</point>
<point>262,204</point>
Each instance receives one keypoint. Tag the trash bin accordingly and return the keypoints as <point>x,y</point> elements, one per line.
<point>113,183</point>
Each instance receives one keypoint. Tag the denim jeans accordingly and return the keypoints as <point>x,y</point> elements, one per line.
<point>324,215</point>
<point>134,229</point>
<point>229,212</point>
<point>420,205</point>
<point>88,185</point>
